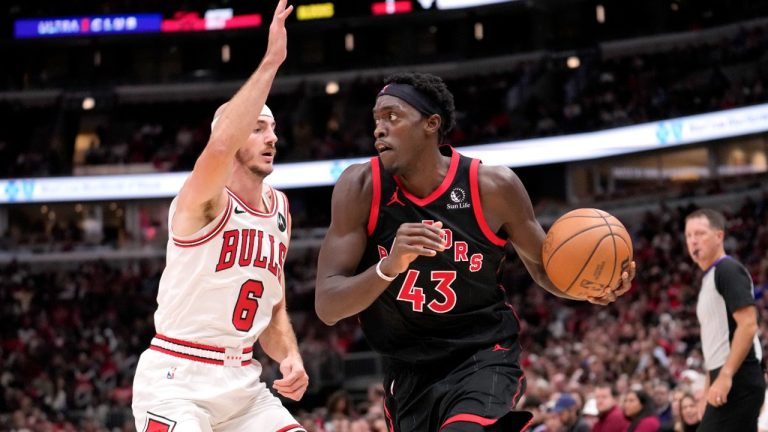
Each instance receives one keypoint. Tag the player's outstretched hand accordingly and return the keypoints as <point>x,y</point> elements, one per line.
<point>277,47</point>
<point>294,382</point>
<point>412,241</point>
<point>611,294</point>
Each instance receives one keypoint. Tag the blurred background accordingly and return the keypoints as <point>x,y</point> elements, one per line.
<point>646,109</point>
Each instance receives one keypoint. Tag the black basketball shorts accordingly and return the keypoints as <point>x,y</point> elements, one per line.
<point>477,389</point>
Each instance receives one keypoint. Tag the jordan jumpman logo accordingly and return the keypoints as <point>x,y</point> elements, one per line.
<point>395,198</point>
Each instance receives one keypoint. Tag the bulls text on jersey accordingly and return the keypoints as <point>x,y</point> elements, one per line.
<point>239,245</point>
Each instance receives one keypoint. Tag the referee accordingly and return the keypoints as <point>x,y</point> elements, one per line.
<point>728,319</point>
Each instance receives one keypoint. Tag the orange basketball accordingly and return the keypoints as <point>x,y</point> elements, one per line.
<point>586,250</point>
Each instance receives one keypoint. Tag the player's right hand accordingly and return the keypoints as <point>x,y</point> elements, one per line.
<point>412,241</point>
<point>295,380</point>
<point>277,47</point>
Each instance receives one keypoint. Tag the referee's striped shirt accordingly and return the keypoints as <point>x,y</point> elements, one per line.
<point>725,288</point>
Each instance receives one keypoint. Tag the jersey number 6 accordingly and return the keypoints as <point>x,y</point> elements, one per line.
<point>247,304</point>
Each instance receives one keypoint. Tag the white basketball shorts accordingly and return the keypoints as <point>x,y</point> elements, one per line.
<point>173,394</point>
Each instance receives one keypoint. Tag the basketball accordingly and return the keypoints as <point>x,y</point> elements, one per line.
<point>585,251</point>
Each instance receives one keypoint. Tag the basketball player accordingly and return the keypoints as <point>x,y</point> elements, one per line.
<point>415,242</point>
<point>728,319</point>
<point>222,288</point>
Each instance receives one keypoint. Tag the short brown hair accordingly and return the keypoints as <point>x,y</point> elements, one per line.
<point>610,386</point>
<point>715,218</point>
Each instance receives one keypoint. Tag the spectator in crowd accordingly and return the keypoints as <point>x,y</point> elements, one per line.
<point>568,411</point>
<point>678,394</point>
<point>641,412</point>
<point>551,422</point>
<point>339,406</point>
<point>375,394</point>
<point>689,414</point>
<point>610,417</point>
<point>534,405</point>
<point>661,398</point>
<point>589,413</point>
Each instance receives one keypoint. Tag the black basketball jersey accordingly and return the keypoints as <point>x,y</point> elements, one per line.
<point>447,304</point>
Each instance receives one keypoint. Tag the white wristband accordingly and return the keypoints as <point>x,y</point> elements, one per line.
<point>382,275</point>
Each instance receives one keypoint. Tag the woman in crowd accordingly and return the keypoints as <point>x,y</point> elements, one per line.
<point>689,414</point>
<point>641,412</point>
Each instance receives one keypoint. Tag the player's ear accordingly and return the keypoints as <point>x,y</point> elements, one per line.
<point>433,123</point>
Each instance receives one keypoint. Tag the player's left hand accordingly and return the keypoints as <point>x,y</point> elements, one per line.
<point>294,382</point>
<point>612,293</point>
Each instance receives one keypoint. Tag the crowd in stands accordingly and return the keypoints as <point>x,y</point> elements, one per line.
<point>71,335</point>
<point>533,99</point>
<point>319,45</point>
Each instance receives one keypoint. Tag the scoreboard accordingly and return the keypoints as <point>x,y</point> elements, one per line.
<point>225,18</point>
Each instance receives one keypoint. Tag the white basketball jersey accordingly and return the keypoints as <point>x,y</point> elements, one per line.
<point>220,284</point>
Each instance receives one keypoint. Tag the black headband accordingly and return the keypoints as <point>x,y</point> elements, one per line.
<point>423,103</point>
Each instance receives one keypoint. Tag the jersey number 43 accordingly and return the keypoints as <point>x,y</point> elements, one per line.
<point>410,293</point>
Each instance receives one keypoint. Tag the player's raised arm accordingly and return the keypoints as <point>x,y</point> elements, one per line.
<point>202,196</point>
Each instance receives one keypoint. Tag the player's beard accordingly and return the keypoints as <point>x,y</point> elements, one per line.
<point>259,171</point>
<point>254,167</point>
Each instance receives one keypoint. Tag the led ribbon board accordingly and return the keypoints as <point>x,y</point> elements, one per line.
<point>87,25</point>
<point>540,151</point>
